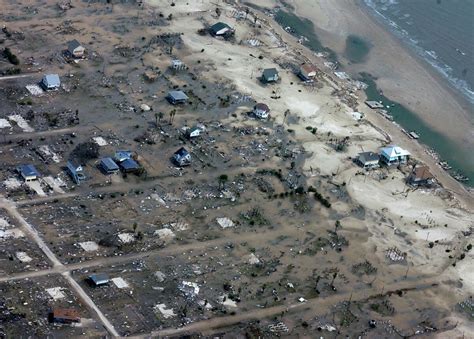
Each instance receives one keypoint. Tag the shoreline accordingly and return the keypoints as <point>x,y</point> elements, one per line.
<point>466,95</point>
<point>433,97</point>
<point>419,150</point>
<point>444,82</point>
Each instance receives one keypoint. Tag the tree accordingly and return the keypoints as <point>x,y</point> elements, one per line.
<point>172,115</point>
<point>222,180</point>
<point>337,225</point>
<point>85,152</point>
<point>285,115</point>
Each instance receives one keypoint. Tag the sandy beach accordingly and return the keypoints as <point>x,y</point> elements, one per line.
<point>401,75</point>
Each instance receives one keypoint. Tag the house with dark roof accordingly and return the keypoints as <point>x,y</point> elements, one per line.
<point>64,316</point>
<point>50,82</point>
<point>420,176</point>
<point>28,172</point>
<point>220,29</point>
<point>182,157</point>
<point>129,166</point>
<point>368,160</point>
<point>176,97</point>
<point>108,166</point>
<point>269,75</point>
<point>261,111</point>
<point>98,279</point>
<point>75,49</point>
<point>76,171</point>
<point>307,72</point>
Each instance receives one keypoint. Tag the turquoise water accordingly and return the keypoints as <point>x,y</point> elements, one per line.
<point>304,27</point>
<point>357,49</point>
<point>446,148</point>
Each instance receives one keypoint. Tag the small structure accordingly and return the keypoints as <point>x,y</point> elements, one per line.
<point>28,172</point>
<point>393,155</point>
<point>122,156</point>
<point>374,104</point>
<point>220,29</point>
<point>51,82</point>
<point>64,316</point>
<point>261,111</point>
<point>75,49</point>
<point>76,171</point>
<point>368,160</point>
<point>177,64</point>
<point>176,97</point>
<point>307,72</point>
<point>269,75</point>
<point>108,166</point>
<point>129,166</point>
<point>98,279</point>
<point>193,132</point>
<point>182,157</point>
<point>420,176</point>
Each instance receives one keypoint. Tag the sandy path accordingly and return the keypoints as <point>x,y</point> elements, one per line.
<point>318,306</point>
<point>10,207</point>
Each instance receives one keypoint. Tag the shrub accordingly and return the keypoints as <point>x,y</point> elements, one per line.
<point>12,58</point>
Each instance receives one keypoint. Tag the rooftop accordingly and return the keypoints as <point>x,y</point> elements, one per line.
<point>182,152</point>
<point>368,156</point>
<point>28,171</point>
<point>394,151</point>
<point>51,80</point>
<point>109,164</point>
<point>73,44</point>
<point>99,278</point>
<point>270,72</point>
<point>178,95</point>
<point>129,164</point>
<point>262,107</point>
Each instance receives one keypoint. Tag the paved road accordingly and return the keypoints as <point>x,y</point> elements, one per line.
<point>11,208</point>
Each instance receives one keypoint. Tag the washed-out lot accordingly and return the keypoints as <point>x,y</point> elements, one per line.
<point>17,252</point>
<point>25,306</point>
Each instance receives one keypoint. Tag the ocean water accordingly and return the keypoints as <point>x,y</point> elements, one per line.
<point>440,31</point>
<point>356,51</point>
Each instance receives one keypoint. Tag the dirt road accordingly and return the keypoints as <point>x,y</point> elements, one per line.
<point>11,208</point>
<point>318,306</point>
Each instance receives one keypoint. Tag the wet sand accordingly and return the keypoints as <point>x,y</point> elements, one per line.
<point>400,74</point>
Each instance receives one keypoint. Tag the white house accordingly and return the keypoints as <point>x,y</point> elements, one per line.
<point>261,111</point>
<point>51,82</point>
<point>193,132</point>
<point>394,155</point>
